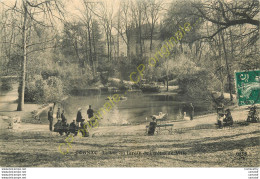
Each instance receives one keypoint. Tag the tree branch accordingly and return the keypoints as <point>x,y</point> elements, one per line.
<point>228,22</point>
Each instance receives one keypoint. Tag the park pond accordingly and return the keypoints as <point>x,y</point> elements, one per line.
<point>136,109</point>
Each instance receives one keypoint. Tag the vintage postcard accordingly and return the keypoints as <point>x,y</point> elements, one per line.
<point>129,83</point>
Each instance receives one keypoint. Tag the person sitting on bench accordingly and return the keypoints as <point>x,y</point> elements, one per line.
<point>152,126</point>
<point>228,118</point>
<point>73,127</point>
<point>220,118</point>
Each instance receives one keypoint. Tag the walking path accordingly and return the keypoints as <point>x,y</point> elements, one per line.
<point>8,107</point>
<point>8,100</point>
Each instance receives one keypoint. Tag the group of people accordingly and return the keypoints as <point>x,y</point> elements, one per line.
<point>79,119</point>
<point>62,120</point>
<point>224,119</point>
<point>60,116</point>
<point>252,114</point>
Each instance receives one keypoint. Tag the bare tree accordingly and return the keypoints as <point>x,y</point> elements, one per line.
<point>88,20</point>
<point>152,10</point>
<point>32,13</point>
<point>124,29</point>
<point>106,17</point>
<point>137,12</point>
<point>229,13</point>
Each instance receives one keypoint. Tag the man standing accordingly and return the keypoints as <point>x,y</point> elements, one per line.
<point>191,111</point>
<point>50,117</point>
<point>58,116</point>
<point>90,112</point>
<point>63,118</point>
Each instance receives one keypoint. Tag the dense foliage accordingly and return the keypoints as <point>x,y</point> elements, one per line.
<point>79,50</point>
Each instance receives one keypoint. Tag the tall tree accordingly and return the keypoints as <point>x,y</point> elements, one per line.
<point>137,12</point>
<point>126,24</point>
<point>33,14</point>
<point>152,9</point>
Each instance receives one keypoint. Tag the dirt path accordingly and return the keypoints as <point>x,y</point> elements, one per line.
<point>8,106</point>
<point>8,100</point>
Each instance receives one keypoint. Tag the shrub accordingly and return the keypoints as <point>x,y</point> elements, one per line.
<point>104,78</point>
<point>40,90</point>
<point>34,89</point>
<point>78,81</point>
<point>53,89</point>
<point>150,88</point>
<point>122,86</point>
<point>46,73</point>
<point>114,82</point>
<point>173,83</point>
<point>196,85</point>
<point>6,84</point>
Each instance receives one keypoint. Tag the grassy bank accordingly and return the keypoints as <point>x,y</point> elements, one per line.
<point>128,146</point>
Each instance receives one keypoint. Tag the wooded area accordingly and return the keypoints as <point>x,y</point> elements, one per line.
<point>56,47</point>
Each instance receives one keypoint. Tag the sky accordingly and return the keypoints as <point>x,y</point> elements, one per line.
<point>75,6</point>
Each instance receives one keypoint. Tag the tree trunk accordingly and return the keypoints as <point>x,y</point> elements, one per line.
<point>227,66</point>
<point>167,83</point>
<point>110,42</point>
<point>21,88</point>
<point>118,27</point>
<point>140,32</point>
<point>128,50</point>
<point>167,73</point>
<point>90,49</point>
<point>151,41</point>
<point>221,69</point>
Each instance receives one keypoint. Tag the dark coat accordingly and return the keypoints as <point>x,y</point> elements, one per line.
<point>63,118</point>
<point>79,117</point>
<point>90,113</point>
<point>50,115</point>
<point>58,115</point>
<point>72,125</point>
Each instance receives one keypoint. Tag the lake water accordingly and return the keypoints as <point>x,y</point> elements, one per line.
<point>135,110</point>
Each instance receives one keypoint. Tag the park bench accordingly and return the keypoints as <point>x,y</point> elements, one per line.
<point>159,124</point>
<point>161,127</point>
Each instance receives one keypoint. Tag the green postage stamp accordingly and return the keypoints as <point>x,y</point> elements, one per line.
<point>248,87</point>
